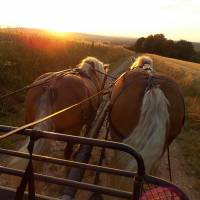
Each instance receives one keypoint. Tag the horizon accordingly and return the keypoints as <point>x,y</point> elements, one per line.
<point>90,34</point>
<point>176,19</point>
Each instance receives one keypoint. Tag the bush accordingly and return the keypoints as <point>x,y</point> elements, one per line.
<point>158,44</point>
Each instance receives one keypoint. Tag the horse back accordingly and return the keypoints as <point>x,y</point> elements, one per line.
<point>127,98</point>
<point>64,91</point>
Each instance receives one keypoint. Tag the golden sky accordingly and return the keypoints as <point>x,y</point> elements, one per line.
<point>177,19</point>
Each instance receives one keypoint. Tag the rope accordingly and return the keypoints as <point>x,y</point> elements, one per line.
<point>52,115</point>
<point>12,93</point>
<point>109,76</point>
<point>41,82</point>
<point>169,164</point>
<point>58,112</point>
<point>48,79</point>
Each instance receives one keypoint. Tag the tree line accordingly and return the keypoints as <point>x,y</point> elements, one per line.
<point>158,44</point>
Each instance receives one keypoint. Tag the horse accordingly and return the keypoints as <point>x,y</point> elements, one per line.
<point>147,112</point>
<point>54,91</point>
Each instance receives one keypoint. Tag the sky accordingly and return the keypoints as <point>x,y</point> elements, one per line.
<point>176,19</point>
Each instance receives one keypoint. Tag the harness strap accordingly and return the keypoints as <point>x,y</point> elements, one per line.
<point>169,164</point>
<point>152,81</point>
<point>28,177</point>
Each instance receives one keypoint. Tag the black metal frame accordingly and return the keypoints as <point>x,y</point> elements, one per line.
<point>139,177</point>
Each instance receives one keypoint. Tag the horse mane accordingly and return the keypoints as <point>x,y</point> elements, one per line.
<point>144,62</point>
<point>91,62</point>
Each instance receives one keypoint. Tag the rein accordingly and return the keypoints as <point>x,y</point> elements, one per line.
<point>55,114</point>
<point>107,75</point>
<point>103,91</point>
<point>43,81</point>
<point>38,83</point>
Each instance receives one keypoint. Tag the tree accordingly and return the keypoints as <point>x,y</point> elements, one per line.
<point>139,45</point>
<point>148,44</point>
<point>170,49</point>
<point>158,44</point>
<point>185,49</point>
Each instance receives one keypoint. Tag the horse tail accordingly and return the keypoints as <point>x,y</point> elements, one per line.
<point>41,145</point>
<point>148,138</point>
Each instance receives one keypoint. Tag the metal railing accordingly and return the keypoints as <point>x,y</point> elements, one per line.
<point>140,178</point>
<point>80,185</point>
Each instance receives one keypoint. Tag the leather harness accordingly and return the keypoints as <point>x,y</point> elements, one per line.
<point>152,81</point>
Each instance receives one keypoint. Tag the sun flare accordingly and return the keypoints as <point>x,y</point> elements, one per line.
<point>119,18</point>
<point>57,29</point>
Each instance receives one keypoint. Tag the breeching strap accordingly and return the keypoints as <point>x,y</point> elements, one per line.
<point>169,164</point>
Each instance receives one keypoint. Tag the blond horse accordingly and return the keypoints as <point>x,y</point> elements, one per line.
<point>147,113</point>
<point>61,90</point>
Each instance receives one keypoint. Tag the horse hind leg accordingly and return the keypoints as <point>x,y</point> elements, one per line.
<point>68,150</point>
<point>41,145</point>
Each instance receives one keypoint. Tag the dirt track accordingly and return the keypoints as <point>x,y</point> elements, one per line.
<point>179,172</point>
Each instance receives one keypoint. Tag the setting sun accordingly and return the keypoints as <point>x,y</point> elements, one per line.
<point>119,18</point>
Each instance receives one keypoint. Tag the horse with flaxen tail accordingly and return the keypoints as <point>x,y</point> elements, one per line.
<point>58,90</point>
<point>147,112</point>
